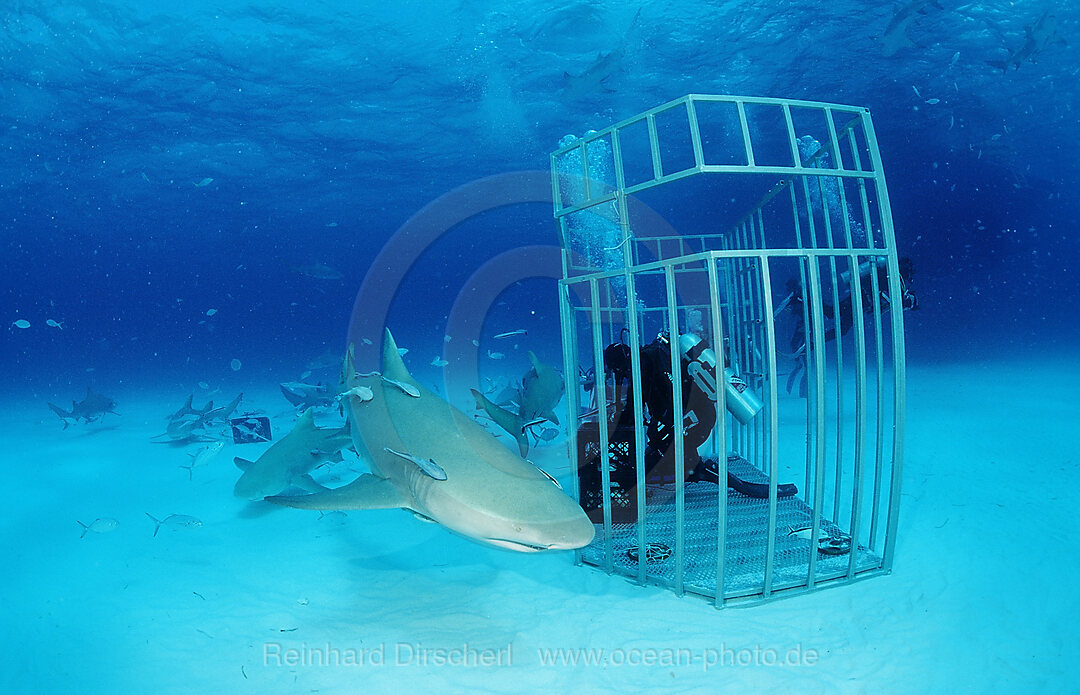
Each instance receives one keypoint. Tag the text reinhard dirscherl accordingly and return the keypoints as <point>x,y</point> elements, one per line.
<point>417,654</point>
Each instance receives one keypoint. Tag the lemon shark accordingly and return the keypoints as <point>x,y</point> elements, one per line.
<point>541,390</point>
<point>290,460</point>
<point>434,460</point>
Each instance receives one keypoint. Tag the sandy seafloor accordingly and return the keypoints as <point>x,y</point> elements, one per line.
<point>982,597</point>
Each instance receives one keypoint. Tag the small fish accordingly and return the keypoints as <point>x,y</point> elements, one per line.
<point>549,477</point>
<point>476,343</point>
<point>932,102</point>
<point>204,455</point>
<point>403,351</point>
<point>547,434</point>
<point>406,388</point>
<point>362,392</point>
<point>98,526</point>
<point>205,182</point>
<point>369,374</point>
<point>533,423</point>
<point>495,355</point>
<point>54,324</point>
<point>446,339</point>
<point>511,334</point>
<point>916,90</point>
<point>204,386</point>
<point>438,362</point>
<point>366,341</point>
<point>952,122</point>
<point>236,364</point>
<point>21,323</point>
<point>428,466</point>
<point>804,532</point>
<point>175,521</point>
<point>211,312</point>
<point>333,517</point>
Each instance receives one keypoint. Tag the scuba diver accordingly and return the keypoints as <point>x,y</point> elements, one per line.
<point>696,416</point>
<point>843,312</point>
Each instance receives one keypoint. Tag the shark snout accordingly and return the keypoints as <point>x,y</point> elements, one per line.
<point>563,535</point>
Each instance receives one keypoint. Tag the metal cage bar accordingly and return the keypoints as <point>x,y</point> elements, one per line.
<point>652,281</point>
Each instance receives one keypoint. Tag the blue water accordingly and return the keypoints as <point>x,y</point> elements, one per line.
<point>325,126</point>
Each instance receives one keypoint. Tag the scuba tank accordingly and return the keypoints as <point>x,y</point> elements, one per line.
<point>741,400</point>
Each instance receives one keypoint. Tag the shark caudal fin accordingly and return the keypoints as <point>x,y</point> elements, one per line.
<point>61,413</point>
<point>511,423</point>
<point>157,527</point>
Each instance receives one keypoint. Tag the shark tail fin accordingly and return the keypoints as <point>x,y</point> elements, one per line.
<point>157,527</point>
<point>508,421</point>
<point>85,528</point>
<point>60,411</point>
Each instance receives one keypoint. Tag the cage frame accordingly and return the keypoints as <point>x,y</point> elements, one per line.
<point>744,242</point>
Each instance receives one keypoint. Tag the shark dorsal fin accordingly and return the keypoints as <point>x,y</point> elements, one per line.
<point>348,368</point>
<point>306,420</point>
<point>243,464</point>
<point>535,362</point>
<point>393,366</point>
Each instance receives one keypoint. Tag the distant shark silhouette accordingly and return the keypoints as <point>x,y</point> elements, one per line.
<point>1037,36</point>
<point>304,396</point>
<point>190,424</point>
<point>89,409</point>
<point>895,37</point>
<point>290,460</point>
<point>428,457</point>
<point>593,80</point>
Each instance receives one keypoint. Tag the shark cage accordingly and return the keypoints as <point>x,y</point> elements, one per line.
<point>745,245</point>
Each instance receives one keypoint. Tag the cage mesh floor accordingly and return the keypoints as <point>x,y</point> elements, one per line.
<point>745,543</point>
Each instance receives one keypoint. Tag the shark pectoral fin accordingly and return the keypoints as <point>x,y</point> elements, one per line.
<point>550,415</point>
<point>366,492</point>
<point>242,464</point>
<point>306,482</point>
